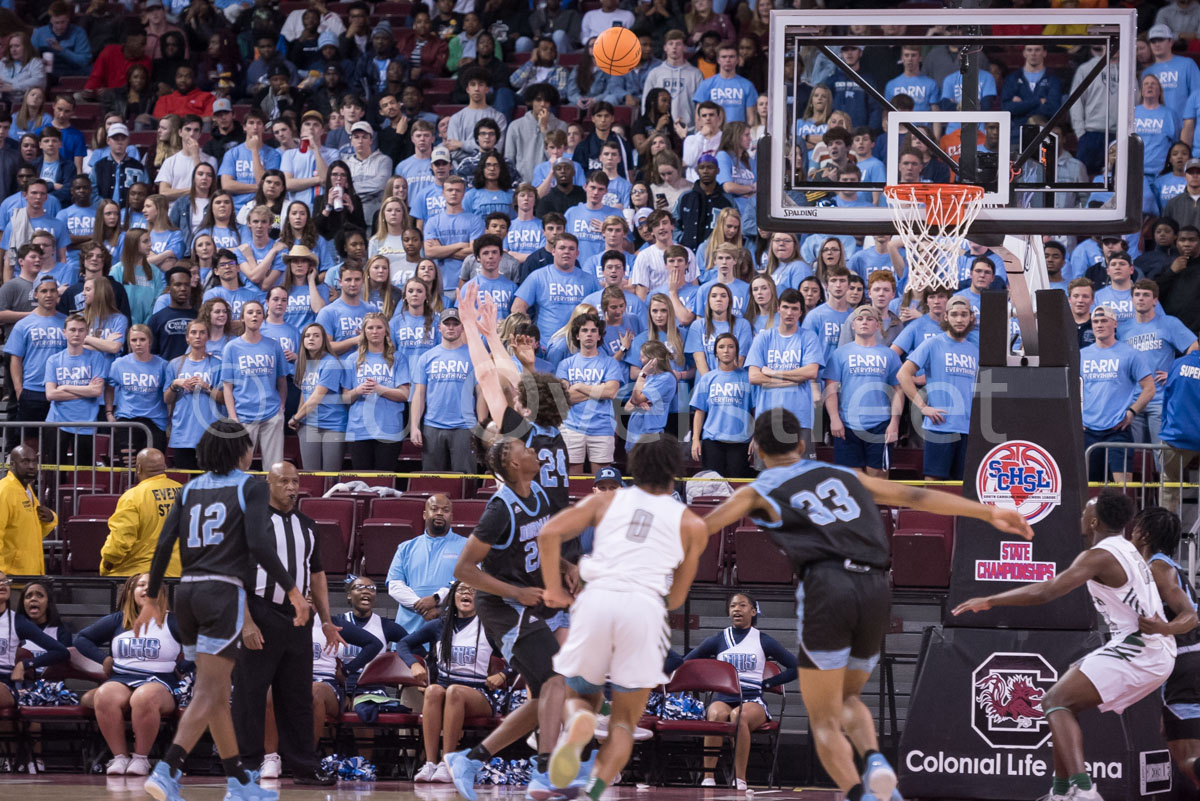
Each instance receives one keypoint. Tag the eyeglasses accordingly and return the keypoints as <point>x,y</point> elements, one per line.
<point>5,582</point>
<point>364,587</point>
<point>831,250</point>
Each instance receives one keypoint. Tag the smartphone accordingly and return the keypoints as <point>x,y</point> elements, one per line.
<point>660,200</point>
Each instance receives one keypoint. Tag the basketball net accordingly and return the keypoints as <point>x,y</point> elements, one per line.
<point>932,221</point>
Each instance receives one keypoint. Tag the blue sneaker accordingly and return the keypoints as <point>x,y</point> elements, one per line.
<point>585,772</point>
<point>540,788</point>
<point>236,791</point>
<point>161,785</point>
<point>566,760</point>
<point>879,779</point>
<point>463,772</point>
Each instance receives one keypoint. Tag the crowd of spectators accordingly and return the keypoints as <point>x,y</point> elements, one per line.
<point>267,213</point>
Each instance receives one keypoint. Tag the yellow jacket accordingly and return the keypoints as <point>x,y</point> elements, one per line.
<point>134,528</point>
<point>21,533</point>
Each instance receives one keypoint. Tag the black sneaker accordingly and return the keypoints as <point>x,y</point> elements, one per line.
<point>317,779</point>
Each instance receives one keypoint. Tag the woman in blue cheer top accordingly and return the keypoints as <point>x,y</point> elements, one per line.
<point>747,649</point>
<point>192,394</point>
<point>464,687</point>
<point>376,388</point>
<point>15,629</point>
<point>361,593</point>
<point>321,417</point>
<point>143,677</point>
<point>136,383</point>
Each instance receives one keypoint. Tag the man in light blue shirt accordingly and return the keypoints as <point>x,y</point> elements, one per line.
<point>922,89</point>
<point>75,379</point>
<point>254,380</point>
<point>585,221</point>
<point>554,291</point>
<point>950,362</point>
<point>243,166</point>
<point>784,360</point>
<point>442,410</point>
<point>416,169</point>
<point>33,340</point>
<point>305,170</point>
<point>591,379</point>
<point>449,234</point>
<point>342,319</point>
<point>727,89</point>
<point>423,568</point>
<point>1118,295</point>
<point>1178,75</point>
<point>1117,386</point>
<point>68,43</point>
<point>826,320</point>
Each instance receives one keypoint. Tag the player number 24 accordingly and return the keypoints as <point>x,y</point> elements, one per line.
<point>831,501</point>
<point>206,531</point>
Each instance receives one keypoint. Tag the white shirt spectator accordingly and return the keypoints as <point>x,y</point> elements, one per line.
<point>177,170</point>
<point>650,269</point>
<point>1182,18</point>
<point>294,26</point>
<point>597,21</point>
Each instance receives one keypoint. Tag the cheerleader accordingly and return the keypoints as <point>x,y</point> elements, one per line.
<point>38,607</point>
<point>464,688</point>
<point>747,649</point>
<point>143,679</point>
<point>15,629</point>
<point>360,592</point>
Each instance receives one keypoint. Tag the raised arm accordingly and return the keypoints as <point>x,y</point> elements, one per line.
<point>1086,566</point>
<point>891,493</point>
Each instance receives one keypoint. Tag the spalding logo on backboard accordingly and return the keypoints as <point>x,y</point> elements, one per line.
<point>1006,708</point>
<point>1020,475</point>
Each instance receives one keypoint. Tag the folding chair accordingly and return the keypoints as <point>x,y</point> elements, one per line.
<point>706,676</point>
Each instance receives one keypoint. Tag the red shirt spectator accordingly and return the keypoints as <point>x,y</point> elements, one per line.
<point>116,59</point>
<point>186,99</point>
<point>434,50</point>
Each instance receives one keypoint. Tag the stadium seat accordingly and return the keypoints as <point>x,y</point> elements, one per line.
<point>335,522</point>
<point>919,559</point>
<point>400,510</point>
<point>83,538</point>
<point>706,676</point>
<point>378,540</point>
<point>97,505</point>
<point>758,560</point>
<point>712,562</point>
<point>928,522</point>
<point>467,513</point>
<point>426,486</point>
<point>313,486</point>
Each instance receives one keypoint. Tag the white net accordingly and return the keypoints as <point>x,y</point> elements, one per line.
<point>932,221</point>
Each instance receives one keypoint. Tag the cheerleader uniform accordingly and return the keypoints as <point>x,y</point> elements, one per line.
<point>383,631</point>
<point>325,663</point>
<point>153,657</point>
<point>748,651</point>
<point>470,657</point>
<point>62,634</point>
<point>15,629</point>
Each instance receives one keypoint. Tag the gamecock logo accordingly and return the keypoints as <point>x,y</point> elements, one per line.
<point>1007,691</point>
<point>1020,475</point>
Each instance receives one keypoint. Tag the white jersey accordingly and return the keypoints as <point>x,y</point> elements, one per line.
<point>33,648</point>
<point>1121,606</point>
<point>637,544</point>
<point>373,626</point>
<point>747,657</point>
<point>324,664</point>
<point>8,641</point>
<point>156,651</point>
<point>470,655</point>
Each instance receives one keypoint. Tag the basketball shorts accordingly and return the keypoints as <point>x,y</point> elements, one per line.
<point>616,636</point>
<point>842,616</point>
<point>525,639</point>
<point>209,614</point>
<point>1127,670</point>
<point>1181,721</point>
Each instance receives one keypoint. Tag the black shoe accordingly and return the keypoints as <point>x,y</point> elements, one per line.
<point>318,779</point>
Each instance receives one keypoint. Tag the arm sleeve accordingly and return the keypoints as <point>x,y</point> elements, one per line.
<point>707,649</point>
<point>166,544</point>
<point>258,535</point>
<point>55,651</point>
<point>364,640</point>
<point>422,637</point>
<point>774,651</point>
<point>393,631</point>
<point>88,641</point>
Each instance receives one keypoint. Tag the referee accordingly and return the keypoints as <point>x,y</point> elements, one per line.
<point>276,654</point>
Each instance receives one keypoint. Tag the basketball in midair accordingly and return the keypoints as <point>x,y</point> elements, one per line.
<point>617,51</point>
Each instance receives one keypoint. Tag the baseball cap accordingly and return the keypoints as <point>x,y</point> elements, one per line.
<point>44,277</point>
<point>327,39</point>
<point>640,215</point>
<point>608,474</point>
<point>449,314</point>
<point>439,154</point>
<point>1160,31</point>
<point>707,158</point>
<point>363,126</point>
<point>1104,311</point>
<point>118,129</point>
<point>866,311</point>
<point>222,104</point>
<point>279,69</point>
<point>1192,164</point>
<point>313,114</point>
<point>957,300</point>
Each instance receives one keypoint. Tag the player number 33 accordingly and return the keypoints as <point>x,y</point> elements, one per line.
<point>831,502</point>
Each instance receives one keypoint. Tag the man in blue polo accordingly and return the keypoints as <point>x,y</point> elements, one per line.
<point>552,293</point>
<point>949,361</point>
<point>1117,387</point>
<point>422,570</point>
<point>783,361</point>
<point>442,410</point>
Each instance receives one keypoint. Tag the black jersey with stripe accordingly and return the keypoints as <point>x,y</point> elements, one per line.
<point>1183,686</point>
<point>551,450</point>
<point>510,524</point>
<point>825,513</point>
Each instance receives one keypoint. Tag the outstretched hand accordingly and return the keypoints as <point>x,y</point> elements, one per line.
<point>1010,521</point>
<point>468,305</point>
<point>973,605</point>
<point>154,609</point>
<point>487,316</point>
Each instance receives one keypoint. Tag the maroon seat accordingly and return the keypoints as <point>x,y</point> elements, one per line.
<point>335,521</point>
<point>314,486</point>
<point>703,676</point>
<point>712,562</point>
<point>379,540</point>
<point>97,505</point>
<point>399,510</point>
<point>757,559</point>
<point>919,559</point>
<point>83,538</point>
<point>467,513</point>
<point>389,670</point>
<point>425,486</point>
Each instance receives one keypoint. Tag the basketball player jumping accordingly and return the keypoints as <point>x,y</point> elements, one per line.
<point>1132,664</point>
<point>825,518</point>
<point>644,556</point>
<point>220,520</point>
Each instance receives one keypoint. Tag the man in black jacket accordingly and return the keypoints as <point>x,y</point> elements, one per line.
<point>697,208</point>
<point>564,194</point>
<point>1179,284</point>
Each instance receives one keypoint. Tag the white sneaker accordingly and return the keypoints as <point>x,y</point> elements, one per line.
<point>271,767</point>
<point>639,734</point>
<point>138,766</point>
<point>1077,794</point>
<point>425,774</point>
<point>117,765</point>
<point>739,784</point>
<point>442,774</point>
<point>709,782</point>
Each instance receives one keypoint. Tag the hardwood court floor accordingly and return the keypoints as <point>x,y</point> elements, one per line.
<point>60,787</point>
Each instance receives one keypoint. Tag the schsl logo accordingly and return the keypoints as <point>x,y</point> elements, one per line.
<point>1020,475</point>
<point>1006,708</point>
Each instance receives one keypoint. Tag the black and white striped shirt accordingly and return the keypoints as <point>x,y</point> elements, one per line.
<point>295,537</point>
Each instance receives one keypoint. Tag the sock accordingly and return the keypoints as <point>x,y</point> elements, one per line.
<point>479,754</point>
<point>174,758</point>
<point>1082,781</point>
<point>855,793</point>
<point>235,770</point>
<point>1060,786</point>
<point>594,787</point>
<point>543,761</point>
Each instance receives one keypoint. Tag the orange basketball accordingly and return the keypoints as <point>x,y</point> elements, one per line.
<point>617,51</point>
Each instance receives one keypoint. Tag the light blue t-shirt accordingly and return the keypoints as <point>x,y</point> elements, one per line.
<point>239,163</point>
<point>227,238</point>
<point>1159,341</point>
<point>452,229</point>
<point>552,294</point>
<point>737,287</point>
<point>426,200</point>
<point>726,398</point>
<point>579,222</point>
<point>236,298</point>
<point>1167,186</point>
<point>916,332</point>
<point>698,341</point>
<point>773,350</point>
<point>611,342</point>
<point>374,417</point>
<point>138,388</point>
<point>1121,302</point>
<point>193,412</point>
<point>35,339</point>
<point>636,311</point>
<point>826,323</point>
<point>950,367</point>
<point>416,170</point>
<point>341,320</point>
<point>922,89</point>
<point>288,338</point>
<point>65,370</point>
<point>449,380</point>
<point>412,337</point>
<point>47,222</point>
<point>80,220</point>
<point>483,202</point>
<point>1110,383</point>
<point>499,289</point>
<point>162,241</point>
<point>660,390</point>
<point>524,236</point>
<point>867,378</point>
<point>253,369</point>
<point>1180,79</point>
<point>299,309</point>
<point>1159,128</point>
<point>330,414</point>
<point>736,95</point>
<point>591,417</point>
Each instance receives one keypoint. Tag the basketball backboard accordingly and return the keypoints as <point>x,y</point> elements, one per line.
<point>1013,153</point>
